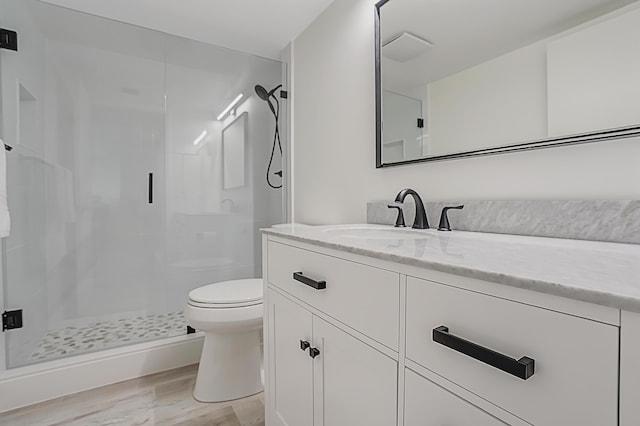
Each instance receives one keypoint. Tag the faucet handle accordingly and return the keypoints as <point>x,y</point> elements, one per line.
<point>400,218</point>
<point>444,219</point>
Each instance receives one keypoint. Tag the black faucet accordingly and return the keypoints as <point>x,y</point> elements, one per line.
<point>420,222</point>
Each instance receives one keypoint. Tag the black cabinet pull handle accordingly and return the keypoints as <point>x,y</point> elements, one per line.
<point>314,352</point>
<point>304,345</point>
<point>522,368</point>
<point>150,186</point>
<point>318,285</point>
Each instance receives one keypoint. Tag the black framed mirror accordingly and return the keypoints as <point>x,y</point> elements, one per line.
<point>464,78</point>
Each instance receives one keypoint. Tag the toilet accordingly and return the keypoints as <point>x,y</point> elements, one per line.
<point>230,314</point>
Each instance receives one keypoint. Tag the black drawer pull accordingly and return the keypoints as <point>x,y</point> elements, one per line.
<point>522,368</point>
<point>314,352</point>
<point>318,285</point>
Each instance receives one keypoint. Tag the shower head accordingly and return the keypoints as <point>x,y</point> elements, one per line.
<point>266,96</point>
<point>262,92</point>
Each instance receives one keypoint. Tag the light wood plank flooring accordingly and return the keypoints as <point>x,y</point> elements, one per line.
<point>160,399</point>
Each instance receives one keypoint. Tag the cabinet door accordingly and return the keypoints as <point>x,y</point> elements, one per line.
<point>354,384</point>
<point>290,396</point>
<point>427,404</point>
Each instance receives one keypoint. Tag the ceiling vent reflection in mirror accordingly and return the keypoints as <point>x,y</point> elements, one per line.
<point>404,47</point>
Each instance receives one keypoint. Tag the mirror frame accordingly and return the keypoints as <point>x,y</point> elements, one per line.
<point>580,138</point>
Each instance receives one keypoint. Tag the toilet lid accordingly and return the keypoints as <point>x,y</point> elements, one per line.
<point>229,293</point>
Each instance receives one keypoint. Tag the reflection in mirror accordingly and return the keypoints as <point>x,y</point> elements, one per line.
<point>463,77</point>
<point>403,136</point>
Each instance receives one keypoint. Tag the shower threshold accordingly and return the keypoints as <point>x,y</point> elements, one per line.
<point>68,341</point>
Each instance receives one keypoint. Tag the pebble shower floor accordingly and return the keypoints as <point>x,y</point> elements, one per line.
<point>108,334</point>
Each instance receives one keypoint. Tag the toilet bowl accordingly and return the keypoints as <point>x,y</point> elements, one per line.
<point>230,314</point>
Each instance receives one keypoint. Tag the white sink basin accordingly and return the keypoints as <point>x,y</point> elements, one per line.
<point>377,233</point>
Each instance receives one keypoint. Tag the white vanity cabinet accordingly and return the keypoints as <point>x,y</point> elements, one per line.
<point>320,371</point>
<point>402,345</point>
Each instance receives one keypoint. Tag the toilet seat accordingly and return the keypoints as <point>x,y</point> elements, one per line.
<point>228,294</point>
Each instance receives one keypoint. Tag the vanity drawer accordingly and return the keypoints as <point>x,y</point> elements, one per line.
<point>575,375</point>
<point>427,404</point>
<point>364,298</point>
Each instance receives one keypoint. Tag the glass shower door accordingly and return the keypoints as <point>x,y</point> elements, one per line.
<point>84,110</point>
<point>98,110</point>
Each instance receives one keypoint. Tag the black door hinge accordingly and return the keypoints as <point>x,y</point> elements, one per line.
<point>8,39</point>
<point>420,123</point>
<point>11,319</point>
<point>284,94</point>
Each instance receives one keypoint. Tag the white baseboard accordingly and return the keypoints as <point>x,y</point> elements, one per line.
<point>36,383</point>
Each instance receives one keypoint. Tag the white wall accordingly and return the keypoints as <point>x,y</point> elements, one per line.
<point>334,139</point>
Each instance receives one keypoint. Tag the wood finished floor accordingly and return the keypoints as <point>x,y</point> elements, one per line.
<point>160,399</point>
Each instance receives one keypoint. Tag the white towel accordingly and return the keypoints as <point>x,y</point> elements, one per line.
<point>5,221</point>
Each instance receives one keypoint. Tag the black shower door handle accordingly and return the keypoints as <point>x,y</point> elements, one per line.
<point>150,187</point>
<point>522,368</point>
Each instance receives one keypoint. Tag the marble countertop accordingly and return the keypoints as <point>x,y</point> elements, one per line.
<point>596,272</point>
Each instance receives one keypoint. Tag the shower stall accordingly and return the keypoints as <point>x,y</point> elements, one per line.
<point>127,187</point>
